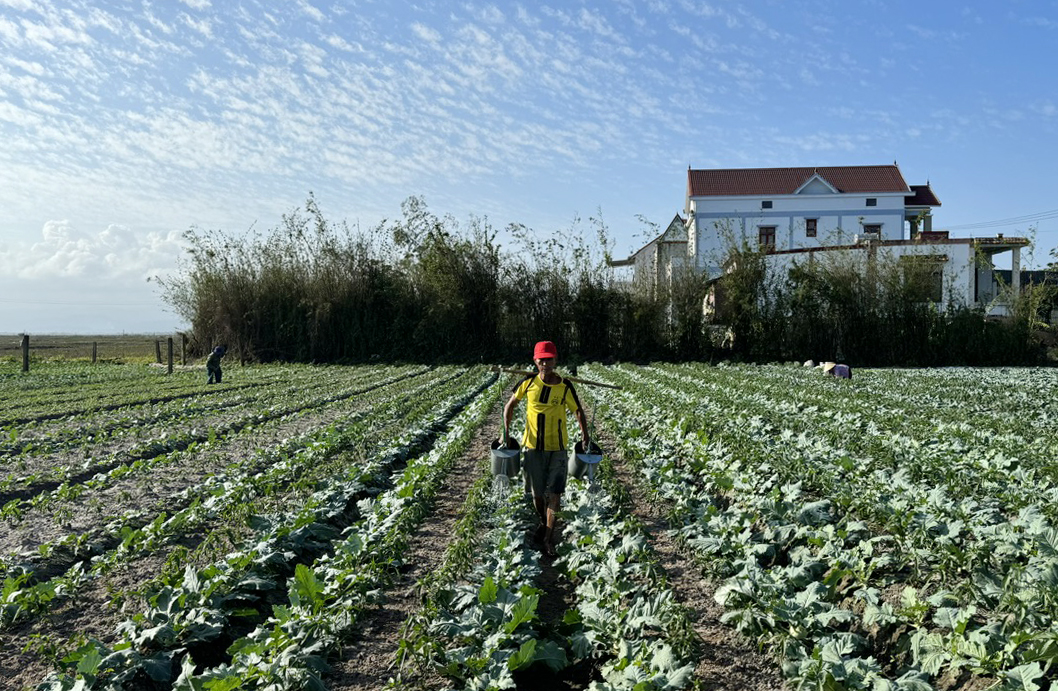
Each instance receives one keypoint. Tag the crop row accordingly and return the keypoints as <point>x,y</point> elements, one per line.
<point>481,628</point>
<point>59,478</point>
<point>269,470</point>
<point>855,574</point>
<point>269,611</point>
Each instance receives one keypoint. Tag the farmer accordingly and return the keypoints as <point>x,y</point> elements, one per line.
<point>213,364</point>
<point>548,398</point>
<point>836,370</point>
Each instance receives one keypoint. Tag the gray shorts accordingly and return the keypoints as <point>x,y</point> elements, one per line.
<point>545,471</point>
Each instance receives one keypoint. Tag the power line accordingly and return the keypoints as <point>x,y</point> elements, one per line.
<point>1028,218</point>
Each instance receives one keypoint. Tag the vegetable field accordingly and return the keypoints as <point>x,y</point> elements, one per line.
<point>339,528</point>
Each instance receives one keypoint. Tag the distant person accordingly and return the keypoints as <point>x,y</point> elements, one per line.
<point>548,398</point>
<point>213,364</point>
<point>835,370</point>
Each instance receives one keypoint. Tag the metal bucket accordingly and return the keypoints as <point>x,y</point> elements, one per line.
<point>506,460</point>
<point>583,460</point>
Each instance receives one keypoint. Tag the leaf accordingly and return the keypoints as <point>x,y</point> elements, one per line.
<point>1023,678</point>
<point>489,590</point>
<point>552,655</point>
<point>524,611</point>
<point>88,665</point>
<point>524,656</point>
<point>307,588</point>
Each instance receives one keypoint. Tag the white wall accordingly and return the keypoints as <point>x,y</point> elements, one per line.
<point>720,220</point>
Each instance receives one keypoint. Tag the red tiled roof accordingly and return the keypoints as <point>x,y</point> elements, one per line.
<point>923,196</point>
<point>758,181</point>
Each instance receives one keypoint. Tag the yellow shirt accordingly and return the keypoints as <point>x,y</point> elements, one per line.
<point>545,416</point>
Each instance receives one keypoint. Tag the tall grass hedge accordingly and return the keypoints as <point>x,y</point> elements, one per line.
<point>424,288</point>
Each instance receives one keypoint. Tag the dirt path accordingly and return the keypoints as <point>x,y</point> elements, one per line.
<point>728,661</point>
<point>366,662</point>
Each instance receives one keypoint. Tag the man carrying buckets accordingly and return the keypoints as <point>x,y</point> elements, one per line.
<point>548,397</point>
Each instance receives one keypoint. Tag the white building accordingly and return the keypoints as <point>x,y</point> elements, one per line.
<point>857,213</point>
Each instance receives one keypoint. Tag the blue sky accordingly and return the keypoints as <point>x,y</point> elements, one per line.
<point>125,123</point>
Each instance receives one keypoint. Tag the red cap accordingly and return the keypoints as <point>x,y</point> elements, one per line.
<point>545,349</point>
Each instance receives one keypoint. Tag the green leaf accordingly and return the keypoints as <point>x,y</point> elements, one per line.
<point>308,590</point>
<point>524,656</point>
<point>1023,678</point>
<point>88,665</point>
<point>524,611</point>
<point>488,592</point>
<point>552,655</point>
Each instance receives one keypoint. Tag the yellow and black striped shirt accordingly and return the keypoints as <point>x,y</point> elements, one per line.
<point>545,416</point>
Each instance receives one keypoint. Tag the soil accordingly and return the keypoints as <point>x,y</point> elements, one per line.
<point>157,489</point>
<point>24,659</point>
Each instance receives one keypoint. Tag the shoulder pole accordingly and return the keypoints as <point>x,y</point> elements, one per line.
<point>575,380</point>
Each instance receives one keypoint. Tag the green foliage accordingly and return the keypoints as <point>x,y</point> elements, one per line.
<point>420,288</point>
<point>875,311</point>
<point>424,288</point>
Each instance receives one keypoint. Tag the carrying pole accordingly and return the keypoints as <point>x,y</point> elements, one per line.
<point>575,380</point>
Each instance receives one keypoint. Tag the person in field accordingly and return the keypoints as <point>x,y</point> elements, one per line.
<point>213,365</point>
<point>548,399</point>
<point>835,370</point>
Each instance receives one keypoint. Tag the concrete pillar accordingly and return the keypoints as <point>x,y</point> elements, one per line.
<point>1015,270</point>
<point>927,223</point>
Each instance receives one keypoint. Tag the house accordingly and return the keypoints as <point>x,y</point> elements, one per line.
<point>863,213</point>
<point>656,263</point>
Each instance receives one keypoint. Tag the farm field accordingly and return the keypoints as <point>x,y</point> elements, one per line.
<point>338,527</point>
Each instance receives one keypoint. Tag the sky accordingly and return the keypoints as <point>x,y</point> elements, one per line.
<point>125,123</point>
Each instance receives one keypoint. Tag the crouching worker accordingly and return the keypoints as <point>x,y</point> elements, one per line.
<point>548,398</point>
<point>836,370</point>
<point>213,364</point>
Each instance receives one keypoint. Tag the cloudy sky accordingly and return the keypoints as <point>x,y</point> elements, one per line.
<point>125,123</point>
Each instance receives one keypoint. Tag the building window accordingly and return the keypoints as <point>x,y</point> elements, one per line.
<point>875,228</point>
<point>872,201</point>
<point>810,227</point>
<point>767,237</point>
<point>765,205</point>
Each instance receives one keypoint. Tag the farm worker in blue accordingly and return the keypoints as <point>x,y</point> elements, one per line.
<point>548,398</point>
<point>213,364</point>
<point>836,370</point>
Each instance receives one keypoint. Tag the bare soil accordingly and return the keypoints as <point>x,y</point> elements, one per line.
<point>155,490</point>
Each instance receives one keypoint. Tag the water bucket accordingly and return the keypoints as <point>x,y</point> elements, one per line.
<point>583,460</point>
<point>506,458</point>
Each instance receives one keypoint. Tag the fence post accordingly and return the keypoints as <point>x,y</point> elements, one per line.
<point>94,344</point>
<point>158,352</point>
<point>170,344</point>
<point>25,352</point>
<point>183,349</point>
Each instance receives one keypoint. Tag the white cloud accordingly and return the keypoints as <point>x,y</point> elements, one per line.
<point>116,252</point>
<point>23,5</point>
<point>197,4</point>
<point>311,11</point>
<point>425,33</point>
<point>203,26</point>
